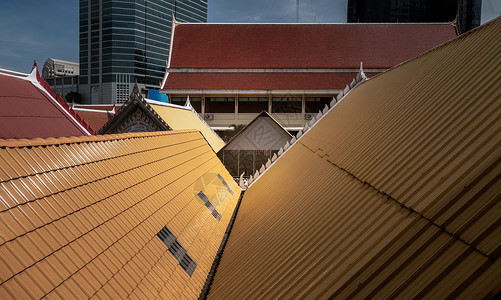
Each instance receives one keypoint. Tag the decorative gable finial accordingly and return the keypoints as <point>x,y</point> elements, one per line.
<point>34,76</point>
<point>241,182</point>
<point>136,95</point>
<point>34,71</point>
<point>174,21</point>
<point>361,74</point>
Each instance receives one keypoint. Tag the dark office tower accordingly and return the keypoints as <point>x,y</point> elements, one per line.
<point>127,41</point>
<point>469,14</point>
<point>415,11</point>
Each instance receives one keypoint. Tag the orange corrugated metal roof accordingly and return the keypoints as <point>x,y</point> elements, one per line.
<point>185,117</point>
<point>394,193</point>
<point>80,215</point>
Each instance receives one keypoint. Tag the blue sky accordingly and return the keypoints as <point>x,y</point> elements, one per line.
<point>37,30</point>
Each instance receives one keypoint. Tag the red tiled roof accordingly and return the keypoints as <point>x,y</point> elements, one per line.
<point>29,112</point>
<point>259,81</point>
<point>282,56</point>
<point>96,119</point>
<point>303,45</point>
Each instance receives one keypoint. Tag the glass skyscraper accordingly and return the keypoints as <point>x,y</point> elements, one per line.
<point>127,41</point>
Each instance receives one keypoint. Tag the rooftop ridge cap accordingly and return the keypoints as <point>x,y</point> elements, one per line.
<point>13,73</point>
<point>91,110</point>
<point>51,141</point>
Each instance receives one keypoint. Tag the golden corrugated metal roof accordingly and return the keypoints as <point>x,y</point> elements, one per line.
<point>80,215</point>
<point>180,118</point>
<point>395,193</point>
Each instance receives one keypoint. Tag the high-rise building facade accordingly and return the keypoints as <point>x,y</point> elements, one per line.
<point>128,41</point>
<point>416,11</point>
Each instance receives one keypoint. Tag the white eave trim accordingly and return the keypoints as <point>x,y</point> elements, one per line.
<point>159,103</point>
<point>249,92</point>
<point>272,70</point>
<point>93,110</point>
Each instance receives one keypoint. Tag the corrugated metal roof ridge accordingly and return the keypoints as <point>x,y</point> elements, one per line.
<point>359,79</point>
<point>409,208</point>
<point>386,263</point>
<point>210,277</point>
<point>13,143</point>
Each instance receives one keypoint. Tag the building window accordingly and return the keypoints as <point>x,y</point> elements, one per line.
<point>252,104</point>
<point>286,105</point>
<point>314,104</point>
<point>196,102</point>
<point>220,105</point>
<point>122,92</point>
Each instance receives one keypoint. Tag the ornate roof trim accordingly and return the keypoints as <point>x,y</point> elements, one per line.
<point>359,79</point>
<point>40,83</point>
<point>136,100</point>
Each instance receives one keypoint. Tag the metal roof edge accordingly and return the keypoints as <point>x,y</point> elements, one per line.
<point>358,80</point>
<point>19,143</point>
<point>13,73</point>
<point>189,108</point>
<point>159,103</point>
<point>215,264</point>
<point>92,110</point>
<point>271,116</point>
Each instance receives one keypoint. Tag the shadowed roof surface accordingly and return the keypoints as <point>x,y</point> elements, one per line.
<point>394,193</point>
